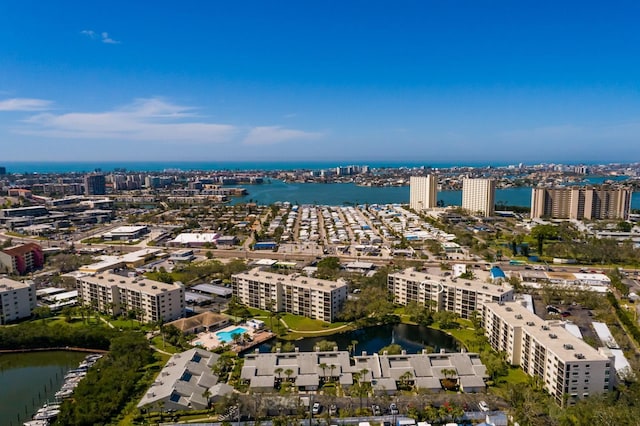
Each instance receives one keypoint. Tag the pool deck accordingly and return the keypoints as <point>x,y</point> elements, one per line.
<point>210,340</point>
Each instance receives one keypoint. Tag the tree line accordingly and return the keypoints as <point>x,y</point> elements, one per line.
<point>36,335</point>
<point>110,384</point>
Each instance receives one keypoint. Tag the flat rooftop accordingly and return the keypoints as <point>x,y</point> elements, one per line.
<point>9,284</point>
<point>143,285</point>
<point>293,279</point>
<point>480,286</point>
<point>551,334</point>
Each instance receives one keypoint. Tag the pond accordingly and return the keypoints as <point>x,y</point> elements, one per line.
<point>412,338</point>
<point>28,380</point>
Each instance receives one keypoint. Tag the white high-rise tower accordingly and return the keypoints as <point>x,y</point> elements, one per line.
<point>478,196</point>
<point>423,192</point>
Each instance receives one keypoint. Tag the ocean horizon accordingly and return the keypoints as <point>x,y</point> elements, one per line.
<point>21,167</point>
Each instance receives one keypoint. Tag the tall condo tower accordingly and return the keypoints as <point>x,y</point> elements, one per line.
<point>580,202</point>
<point>423,192</point>
<point>479,196</point>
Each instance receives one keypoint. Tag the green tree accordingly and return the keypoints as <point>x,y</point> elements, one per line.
<point>542,233</point>
<point>393,349</point>
<point>42,312</point>
<point>328,268</point>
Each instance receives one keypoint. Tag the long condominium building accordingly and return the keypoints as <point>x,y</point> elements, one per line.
<point>295,294</point>
<point>566,366</point>
<point>423,192</point>
<point>115,294</point>
<point>581,203</point>
<point>478,196</point>
<point>445,293</point>
<point>17,300</point>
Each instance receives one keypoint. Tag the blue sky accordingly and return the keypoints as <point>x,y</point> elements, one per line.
<point>435,81</point>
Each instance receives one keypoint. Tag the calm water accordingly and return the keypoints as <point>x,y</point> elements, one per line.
<point>28,380</point>
<point>156,166</point>
<point>412,338</point>
<point>349,193</point>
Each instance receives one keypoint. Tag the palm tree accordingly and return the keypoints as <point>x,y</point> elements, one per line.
<point>405,379</point>
<point>332,367</point>
<point>269,305</point>
<point>288,372</point>
<point>354,344</point>
<point>448,374</point>
<point>206,395</point>
<point>278,371</point>
<point>324,369</point>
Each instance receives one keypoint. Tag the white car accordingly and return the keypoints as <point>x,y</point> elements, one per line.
<point>483,406</point>
<point>316,408</point>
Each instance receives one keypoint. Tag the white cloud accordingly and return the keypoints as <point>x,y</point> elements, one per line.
<point>103,36</point>
<point>88,33</point>
<point>144,120</point>
<point>24,104</point>
<point>108,40</point>
<point>268,135</point>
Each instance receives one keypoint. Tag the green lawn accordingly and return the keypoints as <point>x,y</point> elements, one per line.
<point>164,345</point>
<point>124,324</point>
<point>300,323</point>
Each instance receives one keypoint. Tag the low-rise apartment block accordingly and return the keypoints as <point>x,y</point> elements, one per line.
<point>186,382</point>
<point>295,294</point>
<point>386,373</point>
<point>21,259</point>
<point>440,293</point>
<point>17,300</point>
<point>115,294</point>
<point>567,367</point>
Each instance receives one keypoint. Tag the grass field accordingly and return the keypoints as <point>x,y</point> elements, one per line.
<point>300,323</point>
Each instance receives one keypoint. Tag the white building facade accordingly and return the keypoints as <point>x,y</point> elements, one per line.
<point>423,192</point>
<point>153,301</point>
<point>567,367</point>
<point>445,293</point>
<point>17,300</point>
<point>295,294</point>
<point>478,196</point>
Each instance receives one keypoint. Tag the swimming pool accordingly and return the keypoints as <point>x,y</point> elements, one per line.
<point>227,336</point>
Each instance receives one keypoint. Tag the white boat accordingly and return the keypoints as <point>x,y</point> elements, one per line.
<point>36,423</point>
<point>46,415</point>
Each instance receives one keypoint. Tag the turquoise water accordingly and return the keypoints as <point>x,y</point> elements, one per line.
<point>333,194</point>
<point>227,336</point>
<point>108,166</point>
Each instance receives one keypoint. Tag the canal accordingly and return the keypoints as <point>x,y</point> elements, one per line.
<point>28,380</point>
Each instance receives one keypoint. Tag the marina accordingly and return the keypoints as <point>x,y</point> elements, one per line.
<point>50,410</point>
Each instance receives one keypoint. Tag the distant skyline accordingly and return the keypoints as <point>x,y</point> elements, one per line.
<point>460,82</point>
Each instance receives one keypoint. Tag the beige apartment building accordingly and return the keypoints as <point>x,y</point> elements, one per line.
<point>479,196</point>
<point>445,293</point>
<point>115,294</point>
<point>17,300</point>
<point>423,192</point>
<point>567,367</point>
<point>295,294</point>
<point>581,203</point>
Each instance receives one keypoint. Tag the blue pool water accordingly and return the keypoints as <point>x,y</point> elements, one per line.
<point>227,336</point>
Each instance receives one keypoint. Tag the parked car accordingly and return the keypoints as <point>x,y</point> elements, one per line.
<point>483,406</point>
<point>317,408</point>
<point>375,409</point>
